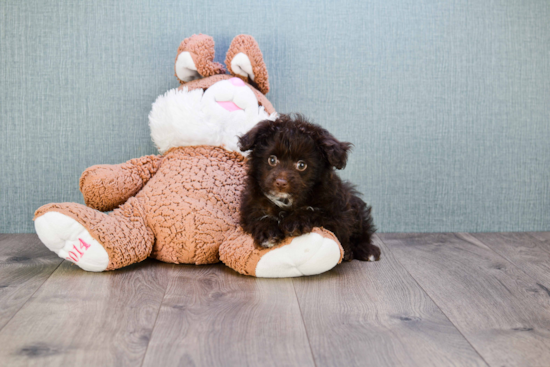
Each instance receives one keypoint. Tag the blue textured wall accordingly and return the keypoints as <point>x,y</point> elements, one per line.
<point>447,102</point>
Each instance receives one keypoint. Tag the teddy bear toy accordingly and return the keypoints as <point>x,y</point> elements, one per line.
<point>182,206</point>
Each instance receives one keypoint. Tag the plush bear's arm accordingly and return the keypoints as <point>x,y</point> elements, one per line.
<point>105,187</point>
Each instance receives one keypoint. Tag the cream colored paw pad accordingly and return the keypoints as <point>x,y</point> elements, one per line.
<point>71,241</point>
<point>308,254</point>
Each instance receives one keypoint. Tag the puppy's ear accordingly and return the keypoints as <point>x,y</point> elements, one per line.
<point>335,151</point>
<point>257,135</point>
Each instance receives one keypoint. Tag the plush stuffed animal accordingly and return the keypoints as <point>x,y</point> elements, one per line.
<point>182,206</point>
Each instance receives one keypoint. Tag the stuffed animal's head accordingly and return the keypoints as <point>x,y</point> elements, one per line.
<point>212,107</point>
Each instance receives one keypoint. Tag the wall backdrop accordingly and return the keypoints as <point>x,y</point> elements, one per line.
<point>447,102</point>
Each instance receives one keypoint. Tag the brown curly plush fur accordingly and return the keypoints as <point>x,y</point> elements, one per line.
<point>201,49</point>
<point>107,186</point>
<point>181,215</point>
<point>293,161</point>
<point>124,233</point>
<point>248,45</point>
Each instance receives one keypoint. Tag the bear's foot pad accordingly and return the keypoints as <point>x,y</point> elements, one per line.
<point>71,241</point>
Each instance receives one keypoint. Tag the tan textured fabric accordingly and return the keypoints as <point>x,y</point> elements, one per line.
<point>123,233</point>
<point>186,208</point>
<point>205,83</point>
<point>201,49</point>
<point>241,254</point>
<point>105,187</point>
<point>248,46</point>
<point>192,202</point>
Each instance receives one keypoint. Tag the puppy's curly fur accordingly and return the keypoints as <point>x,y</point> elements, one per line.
<point>292,187</point>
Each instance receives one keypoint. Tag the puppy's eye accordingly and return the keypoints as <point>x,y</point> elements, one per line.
<point>301,166</point>
<point>272,160</point>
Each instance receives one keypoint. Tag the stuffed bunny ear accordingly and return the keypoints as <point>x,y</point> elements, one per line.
<point>244,60</point>
<point>195,59</point>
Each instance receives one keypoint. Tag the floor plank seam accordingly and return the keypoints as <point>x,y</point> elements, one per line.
<point>33,293</point>
<point>542,242</point>
<point>304,323</point>
<point>435,303</point>
<point>504,256</point>
<point>156,318</point>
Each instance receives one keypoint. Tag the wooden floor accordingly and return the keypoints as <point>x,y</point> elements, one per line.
<point>454,299</point>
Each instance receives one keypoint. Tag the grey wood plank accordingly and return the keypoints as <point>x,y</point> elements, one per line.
<point>212,316</point>
<point>79,318</point>
<point>542,236</point>
<point>523,250</point>
<point>25,264</point>
<point>375,314</point>
<point>497,307</point>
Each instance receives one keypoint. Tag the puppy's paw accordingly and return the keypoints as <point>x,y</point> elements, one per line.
<point>294,229</point>
<point>268,238</point>
<point>374,253</point>
<point>367,253</point>
<point>268,244</point>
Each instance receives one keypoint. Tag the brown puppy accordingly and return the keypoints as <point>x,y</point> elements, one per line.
<point>292,187</point>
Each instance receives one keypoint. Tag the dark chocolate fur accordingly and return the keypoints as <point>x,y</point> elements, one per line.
<point>319,197</point>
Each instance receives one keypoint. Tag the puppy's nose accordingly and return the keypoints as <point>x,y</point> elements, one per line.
<point>281,183</point>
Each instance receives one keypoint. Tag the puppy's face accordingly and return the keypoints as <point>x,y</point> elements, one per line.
<point>287,167</point>
<point>290,156</point>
